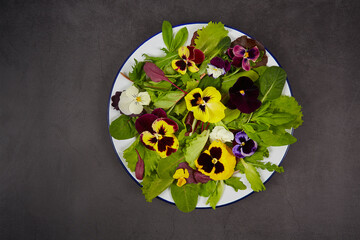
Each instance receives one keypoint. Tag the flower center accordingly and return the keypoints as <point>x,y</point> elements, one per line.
<point>243,144</point>
<point>246,55</point>
<point>200,101</point>
<point>214,160</point>
<point>242,92</point>
<point>158,136</point>
<point>138,99</point>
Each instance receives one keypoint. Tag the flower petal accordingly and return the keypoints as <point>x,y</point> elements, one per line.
<point>216,111</point>
<point>191,171</point>
<point>149,140</point>
<point>144,98</point>
<point>249,148</point>
<point>227,66</point>
<point>204,163</point>
<point>132,91</point>
<point>192,66</point>
<point>159,112</point>
<point>201,113</point>
<point>115,100</point>
<point>239,51</point>
<point>217,62</point>
<point>165,143</point>
<point>211,95</point>
<point>199,56</point>
<point>254,53</point>
<point>179,65</point>
<point>237,151</point>
<point>135,107</point>
<point>192,97</point>
<point>184,52</point>
<point>124,104</point>
<point>164,126</point>
<point>230,53</point>
<point>246,64</point>
<point>241,137</point>
<point>237,62</point>
<point>144,123</point>
<point>181,173</point>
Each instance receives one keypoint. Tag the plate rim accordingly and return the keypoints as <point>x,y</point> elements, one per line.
<point>109,107</point>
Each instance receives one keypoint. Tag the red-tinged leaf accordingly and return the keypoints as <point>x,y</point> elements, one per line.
<point>154,72</point>
<point>139,169</point>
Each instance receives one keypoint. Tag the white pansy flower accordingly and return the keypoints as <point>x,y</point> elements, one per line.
<point>132,102</point>
<point>219,133</point>
<point>214,71</point>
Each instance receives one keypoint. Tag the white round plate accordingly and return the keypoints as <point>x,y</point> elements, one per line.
<point>152,47</point>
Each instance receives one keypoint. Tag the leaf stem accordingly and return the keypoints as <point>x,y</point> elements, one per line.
<point>193,126</point>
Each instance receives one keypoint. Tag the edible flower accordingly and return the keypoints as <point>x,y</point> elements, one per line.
<point>190,56</point>
<point>217,162</point>
<point>132,102</point>
<point>245,146</point>
<point>159,135</point>
<point>206,104</point>
<point>241,56</point>
<point>243,96</point>
<point>181,174</point>
<point>194,175</point>
<point>219,133</point>
<point>218,67</point>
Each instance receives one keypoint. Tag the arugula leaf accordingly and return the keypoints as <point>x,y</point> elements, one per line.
<point>268,166</point>
<point>180,39</point>
<point>272,83</point>
<point>235,183</point>
<point>185,197</point>
<point>209,37</point>
<point>123,128</point>
<point>137,75</point>
<point>168,99</point>
<point>167,166</point>
<point>253,177</point>
<point>162,62</point>
<point>167,33</point>
<point>286,104</point>
<point>153,186</point>
<point>206,189</point>
<point>216,195</point>
<point>194,146</point>
<point>270,138</point>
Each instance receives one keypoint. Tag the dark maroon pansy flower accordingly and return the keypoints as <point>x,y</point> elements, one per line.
<point>245,146</point>
<point>115,100</point>
<point>243,96</point>
<point>144,122</point>
<point>220,63</point>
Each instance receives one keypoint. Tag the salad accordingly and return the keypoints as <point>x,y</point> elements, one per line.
<point>203,116</point>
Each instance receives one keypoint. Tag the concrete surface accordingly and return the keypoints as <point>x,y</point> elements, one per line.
<point>59,175</point>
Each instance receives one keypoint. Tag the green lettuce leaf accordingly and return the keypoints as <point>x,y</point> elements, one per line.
<point>168,99</point>
<point>153,186</point>
<point>179,40</point>
<point>286,104</point>
<point>253,177</point>
<point>206,189</point>
<point>167,33</point>
<point>185,197</point>
<point>272,83</point>
<point>123,128</point>
<point>235,183</point>
<point>194,146</point>
<point>216,195</point>
<point>209,37</point>
<point>167,166</point>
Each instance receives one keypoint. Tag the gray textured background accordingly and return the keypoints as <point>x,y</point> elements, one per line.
<point>59,175</point>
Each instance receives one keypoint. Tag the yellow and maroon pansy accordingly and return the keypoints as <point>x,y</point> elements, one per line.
<point>190,56</point>
<point>181,175</point>
<point>161,139</point>
<point>217,162</point>
<point>206,104</point>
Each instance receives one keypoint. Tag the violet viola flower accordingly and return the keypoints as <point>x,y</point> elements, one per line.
<point>243,96</point>
<point>245,146</point>
<point>241,56</point>
<point>218,67</point>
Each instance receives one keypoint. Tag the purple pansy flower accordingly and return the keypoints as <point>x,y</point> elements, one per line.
<point>218,67</point>
<point>243,96</point>
<point>241,56</point>
<point>245,146</point>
